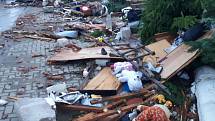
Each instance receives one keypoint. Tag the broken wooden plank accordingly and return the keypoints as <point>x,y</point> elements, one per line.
<point>158,48</point>
<point>37,37</point>
<point>180,58</point>
<point>175,60</point>
<point>15,98</point>
<point>96,92</point>
<point>144,93</point>
<point>112,113</point>
<point>105,80</point>
<point>114,104</point>
<point>85,53</point>
<point>108,113</point>
<point>55,77</point>
<point>80,108</point>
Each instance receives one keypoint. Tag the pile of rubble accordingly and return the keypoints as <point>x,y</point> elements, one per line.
<point>125,79</point>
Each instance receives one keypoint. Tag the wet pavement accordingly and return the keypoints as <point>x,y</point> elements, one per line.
<point>8,16</point>
<point>16,55</point>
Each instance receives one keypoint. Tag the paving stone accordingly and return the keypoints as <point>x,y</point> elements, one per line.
<point>14,119</point>
<point>8,109</point>
<point>40,85</point>
<point>1,114</point>
<point>33,82</point>
<point>5,116</point>
<point>12,115</point>
<point>4,119</point>
<point>2,108</point>
<point>20,91</point>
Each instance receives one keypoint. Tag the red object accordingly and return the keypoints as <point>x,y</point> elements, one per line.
<point>134,101</point>
<point>153,113</point>
<point>86,10</point>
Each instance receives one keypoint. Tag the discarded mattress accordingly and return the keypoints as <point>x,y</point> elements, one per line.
<point>105,80</point>
<point>85,53</point>
<point>204,87</point>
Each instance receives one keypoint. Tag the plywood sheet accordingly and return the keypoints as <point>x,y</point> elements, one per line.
<point>105,80</point>
<point>176,60</point>
<point>85,53</point>
<point>180,58</point>
<point>159,47</point>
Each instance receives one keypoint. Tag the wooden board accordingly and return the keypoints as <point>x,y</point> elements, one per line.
<point>85,53</point>
<point>180,58</point>
<point>176,59</point>
<point>95,52</point>
<point>159,47</point>
<point>105,80</point>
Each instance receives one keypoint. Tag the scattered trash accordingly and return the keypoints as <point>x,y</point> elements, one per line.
<point>2,46</point>
<point>102,62</point>
<point>85,73</point>
<point>109,22</point>
<point>70,34</point>
<point>20,91</point>
<point>3,102</point>
<point>37,55</point>
<point>48,9</point>
<point>117,76</point>
<point>124,34</point>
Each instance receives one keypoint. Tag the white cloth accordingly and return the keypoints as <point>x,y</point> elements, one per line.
<point>132,78</point>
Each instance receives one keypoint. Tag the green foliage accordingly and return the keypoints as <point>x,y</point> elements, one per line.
<point>97,33</point>
<point>206,47</point>
<point>166,15</point>
<point>116,5</point>
<point>209,6</point>
<point>183,22</point>
<point>175,90</point>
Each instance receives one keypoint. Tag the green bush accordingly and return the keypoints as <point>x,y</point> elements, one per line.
<point>206,47</point>
<point>168,16</point>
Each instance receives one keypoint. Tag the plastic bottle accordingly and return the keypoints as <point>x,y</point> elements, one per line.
<point>109,22</point>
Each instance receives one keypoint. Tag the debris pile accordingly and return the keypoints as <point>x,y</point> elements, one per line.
<point>126,80</point>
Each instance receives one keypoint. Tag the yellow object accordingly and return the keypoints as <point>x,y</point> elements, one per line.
<point>96,96</point>
<point>160,98</point>
<point>168,104</point>
<point>101,39</point>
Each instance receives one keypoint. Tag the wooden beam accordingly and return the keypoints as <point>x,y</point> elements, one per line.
<point>108,113</point>
<point>125,96</point>
<point>114,104</point>
<point>80,108</point>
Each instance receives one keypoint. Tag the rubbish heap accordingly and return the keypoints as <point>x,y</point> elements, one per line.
<point>125,80</point>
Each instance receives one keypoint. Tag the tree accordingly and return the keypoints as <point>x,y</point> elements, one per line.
<point>169,15</point>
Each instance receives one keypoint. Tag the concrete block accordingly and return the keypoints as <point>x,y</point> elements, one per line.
<point>34,109</point>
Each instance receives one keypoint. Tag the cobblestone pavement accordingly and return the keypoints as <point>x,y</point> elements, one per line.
<point>21,75</point>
